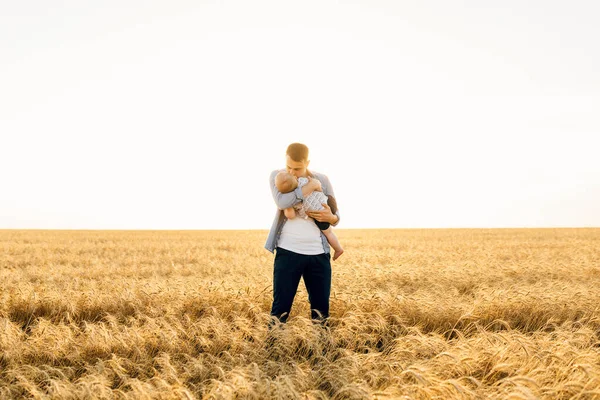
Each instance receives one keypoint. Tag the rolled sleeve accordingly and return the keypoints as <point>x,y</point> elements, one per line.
<point>328,190</point>
<point>338,220</point>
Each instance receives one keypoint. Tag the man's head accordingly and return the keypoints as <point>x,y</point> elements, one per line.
<point>297,159</point>
<point>285,182</point>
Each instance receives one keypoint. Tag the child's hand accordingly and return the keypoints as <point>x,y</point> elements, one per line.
<point>315,183</point>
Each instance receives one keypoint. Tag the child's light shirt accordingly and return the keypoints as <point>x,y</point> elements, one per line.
<point>313,202</point>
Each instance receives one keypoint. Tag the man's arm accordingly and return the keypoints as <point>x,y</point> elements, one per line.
<point>330,193</point>
<point>284,200</point>
<point>326,215</point>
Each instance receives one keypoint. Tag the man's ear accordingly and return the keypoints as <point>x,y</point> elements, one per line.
<point>307,162</point>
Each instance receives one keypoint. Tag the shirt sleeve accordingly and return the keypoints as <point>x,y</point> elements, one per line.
<point>328,190</point>
<point>284,200</point>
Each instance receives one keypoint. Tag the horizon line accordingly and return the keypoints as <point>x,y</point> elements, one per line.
<point>266,229</point>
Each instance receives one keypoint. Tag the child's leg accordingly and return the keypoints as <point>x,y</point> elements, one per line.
<point>334,242</point>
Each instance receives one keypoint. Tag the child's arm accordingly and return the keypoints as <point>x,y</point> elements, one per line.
<point>290,213</point>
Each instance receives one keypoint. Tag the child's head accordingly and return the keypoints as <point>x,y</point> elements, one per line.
<point>286,182</point>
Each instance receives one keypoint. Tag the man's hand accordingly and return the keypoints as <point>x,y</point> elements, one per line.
<point>324,215</point>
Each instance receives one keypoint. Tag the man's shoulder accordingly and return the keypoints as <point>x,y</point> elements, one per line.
<point>319,175</point>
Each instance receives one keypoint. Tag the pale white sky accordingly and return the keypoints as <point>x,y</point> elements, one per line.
<point>171,115</point>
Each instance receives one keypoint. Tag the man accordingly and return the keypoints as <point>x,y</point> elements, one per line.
<point>301,248</point>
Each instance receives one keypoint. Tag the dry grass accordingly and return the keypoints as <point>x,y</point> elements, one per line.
<point>415,314</point>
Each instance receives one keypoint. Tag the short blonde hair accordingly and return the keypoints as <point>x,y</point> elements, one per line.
<point>285,182</point>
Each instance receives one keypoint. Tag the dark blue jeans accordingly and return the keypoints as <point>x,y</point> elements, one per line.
<point>316,271</point>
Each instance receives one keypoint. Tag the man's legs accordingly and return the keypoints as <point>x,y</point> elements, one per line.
<point>317,278</point>
<point>287,271</point>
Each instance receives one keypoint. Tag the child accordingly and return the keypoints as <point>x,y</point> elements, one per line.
<point>286,183</point>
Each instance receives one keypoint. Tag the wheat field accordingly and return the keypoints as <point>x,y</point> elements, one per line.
<point>415,314</point>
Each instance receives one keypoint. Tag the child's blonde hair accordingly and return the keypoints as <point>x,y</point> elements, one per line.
<point>285,182</point>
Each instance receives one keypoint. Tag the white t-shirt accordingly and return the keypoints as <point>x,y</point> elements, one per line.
<point>301,236</point>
